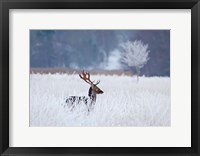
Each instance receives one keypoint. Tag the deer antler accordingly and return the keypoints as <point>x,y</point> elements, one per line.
<point>97,82</point>
<point>86,77</point>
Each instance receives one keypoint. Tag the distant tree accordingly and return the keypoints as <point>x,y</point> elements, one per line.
<point>135,55</point>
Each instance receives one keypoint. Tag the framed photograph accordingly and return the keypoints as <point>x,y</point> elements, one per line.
<point>104,77</point>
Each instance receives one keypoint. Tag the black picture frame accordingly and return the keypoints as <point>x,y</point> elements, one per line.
<point>5,5</point>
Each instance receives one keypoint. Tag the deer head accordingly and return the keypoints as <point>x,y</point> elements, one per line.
<point>86,77</point>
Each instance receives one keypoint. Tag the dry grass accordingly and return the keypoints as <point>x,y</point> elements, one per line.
<point>70,71</point>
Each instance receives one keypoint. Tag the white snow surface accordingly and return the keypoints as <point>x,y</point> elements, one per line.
<point>125,102</point>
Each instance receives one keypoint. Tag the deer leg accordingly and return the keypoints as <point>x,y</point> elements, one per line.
<point>88,108</point>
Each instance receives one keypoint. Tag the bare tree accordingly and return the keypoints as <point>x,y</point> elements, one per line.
<point>135,55</point>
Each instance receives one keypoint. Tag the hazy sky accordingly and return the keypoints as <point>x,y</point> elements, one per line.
<point>97,49</point>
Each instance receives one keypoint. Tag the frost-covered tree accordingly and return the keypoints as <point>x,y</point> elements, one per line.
<point>135,54</point>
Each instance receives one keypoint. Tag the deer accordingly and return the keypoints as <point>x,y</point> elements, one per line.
<point>89,100</point>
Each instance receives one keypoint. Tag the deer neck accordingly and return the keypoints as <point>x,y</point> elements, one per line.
<point>92,95</point>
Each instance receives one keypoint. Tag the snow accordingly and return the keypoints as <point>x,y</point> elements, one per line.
<point>125,102</point>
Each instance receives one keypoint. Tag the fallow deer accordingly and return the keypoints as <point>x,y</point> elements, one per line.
<point>89,100</point>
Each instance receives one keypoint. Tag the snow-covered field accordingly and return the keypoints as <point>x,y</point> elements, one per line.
<point>123,103</point>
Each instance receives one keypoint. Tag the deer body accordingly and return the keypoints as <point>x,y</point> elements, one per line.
<point>89,100</point>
